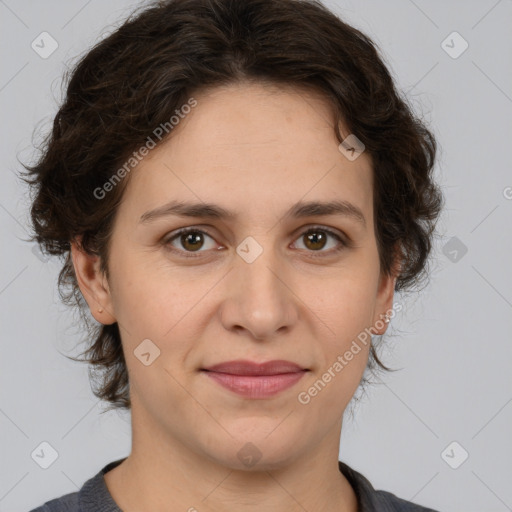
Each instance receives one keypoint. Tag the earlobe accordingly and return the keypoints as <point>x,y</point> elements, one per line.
<point>92,283</point>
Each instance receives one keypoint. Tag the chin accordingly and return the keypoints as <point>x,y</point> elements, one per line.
<point>260,450</point>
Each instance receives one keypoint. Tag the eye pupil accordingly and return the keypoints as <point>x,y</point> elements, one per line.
<point>316,237</point>
<point>194,237</point>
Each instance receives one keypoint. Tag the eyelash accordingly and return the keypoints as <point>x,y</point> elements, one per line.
<point>344,244</point>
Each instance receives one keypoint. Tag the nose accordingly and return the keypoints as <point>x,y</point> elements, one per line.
<point>259,301</point>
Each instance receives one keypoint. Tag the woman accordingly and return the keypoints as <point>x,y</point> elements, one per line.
<point>238,189</point>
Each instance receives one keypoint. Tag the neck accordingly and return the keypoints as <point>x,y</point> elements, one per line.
<point>170,472</point>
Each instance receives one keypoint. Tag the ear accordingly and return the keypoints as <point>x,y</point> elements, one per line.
<point>384,301</point>
<point>92,283</point>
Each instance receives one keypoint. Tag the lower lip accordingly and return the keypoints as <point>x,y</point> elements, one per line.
<point>251,386</point>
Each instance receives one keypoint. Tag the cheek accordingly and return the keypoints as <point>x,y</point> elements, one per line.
<point>346,298</point>
<point>345,309</point>
<point>328,392</point>
<point>165,311</point>
<point>151,299</point>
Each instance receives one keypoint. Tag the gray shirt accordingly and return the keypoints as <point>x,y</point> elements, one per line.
<point>94,496</point>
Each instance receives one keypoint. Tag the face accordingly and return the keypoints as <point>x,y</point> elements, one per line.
<point>269,282</point>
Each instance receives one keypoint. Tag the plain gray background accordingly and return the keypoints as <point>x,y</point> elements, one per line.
<point>453,341</point>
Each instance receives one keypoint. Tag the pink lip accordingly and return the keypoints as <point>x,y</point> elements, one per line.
<point>256,380</point>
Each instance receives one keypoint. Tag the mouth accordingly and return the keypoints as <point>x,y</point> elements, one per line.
<point>256,380</point>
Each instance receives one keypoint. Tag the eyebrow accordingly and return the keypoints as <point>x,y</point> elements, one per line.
<point>213,211</point>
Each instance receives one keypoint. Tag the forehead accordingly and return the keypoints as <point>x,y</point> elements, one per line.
<point>252,146</point>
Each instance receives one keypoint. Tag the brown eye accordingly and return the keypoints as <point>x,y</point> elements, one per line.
<point>191,241</point>
<point>188,241</point>
<point>316,239</point>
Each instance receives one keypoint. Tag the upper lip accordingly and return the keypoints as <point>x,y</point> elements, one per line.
<point>245,367</point>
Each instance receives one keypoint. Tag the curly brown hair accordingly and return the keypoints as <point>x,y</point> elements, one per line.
<point>134,80</point>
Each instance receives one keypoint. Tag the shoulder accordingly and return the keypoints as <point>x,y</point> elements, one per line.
<point>371,499</point>
<point>388,502</point>
<point>66,503</point>
<point>94,496</point>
